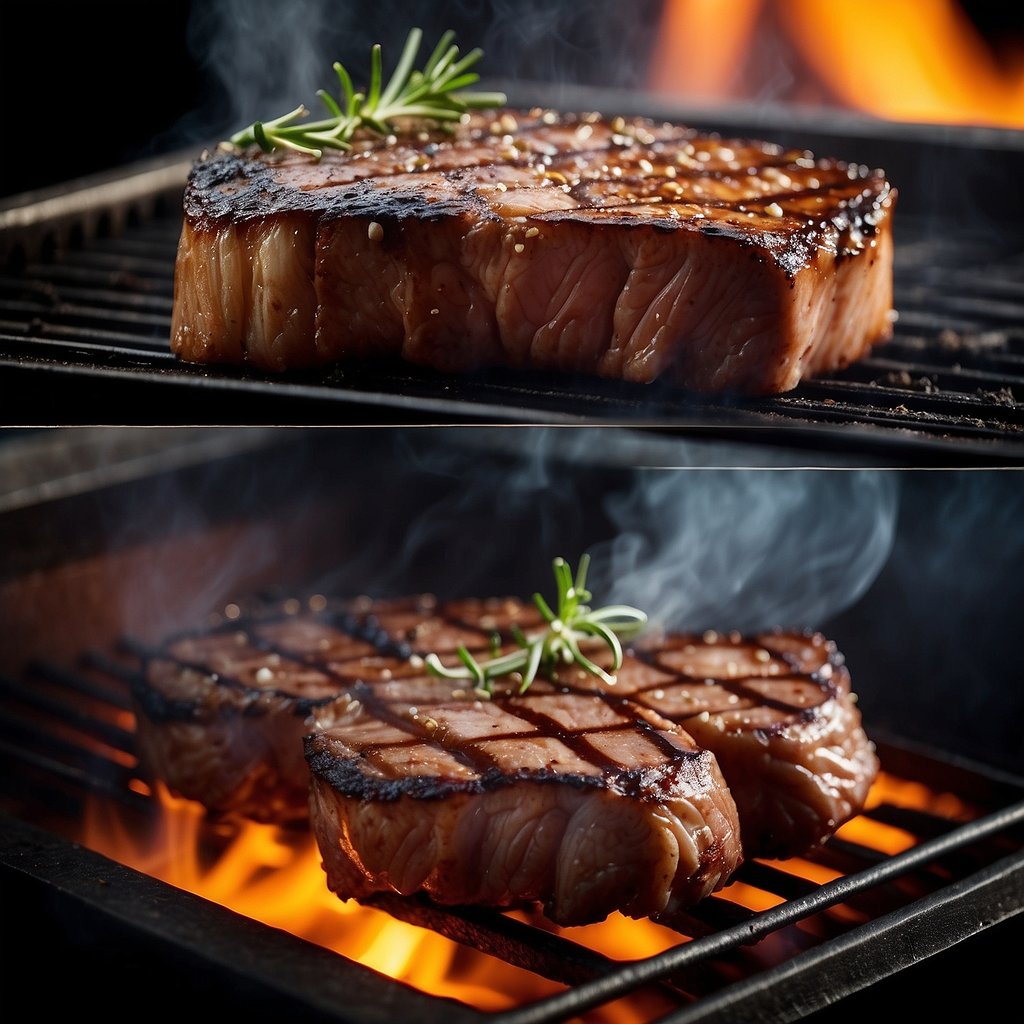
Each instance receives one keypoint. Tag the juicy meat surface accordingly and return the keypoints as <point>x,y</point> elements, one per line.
<point>584,806</point>
<point>584,803</point>
<point>625,248</point>
<point>778,711</point>
<point>697,732</point>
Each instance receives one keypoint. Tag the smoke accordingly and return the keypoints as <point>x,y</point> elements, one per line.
<point>747,549</point>
<point>262,58</point>
<point>696,548</point>
<point>484,511</point>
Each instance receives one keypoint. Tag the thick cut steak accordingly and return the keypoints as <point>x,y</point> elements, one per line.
<point>625,248</point>
<point>642,796</point>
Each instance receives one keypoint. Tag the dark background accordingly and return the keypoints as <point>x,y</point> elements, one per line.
<point>90,86</point>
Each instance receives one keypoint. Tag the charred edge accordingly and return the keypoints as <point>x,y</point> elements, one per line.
<point>215,182</point>
<point>347,777</point>
<point>158,707</point>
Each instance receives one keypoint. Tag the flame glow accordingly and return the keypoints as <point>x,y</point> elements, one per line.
<point>920,61</point>
<point>275,876</point>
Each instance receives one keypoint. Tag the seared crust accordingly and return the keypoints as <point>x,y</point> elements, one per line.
<point>222,715</point>
<point>627,249</point>
<point>778,710</point>
<point>583,806</point>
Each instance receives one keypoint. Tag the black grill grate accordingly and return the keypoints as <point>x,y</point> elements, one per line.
<point>84,339</point>
<point>64,737</point>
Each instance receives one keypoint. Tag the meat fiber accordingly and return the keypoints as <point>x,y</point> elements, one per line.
<point>584,805</point>
<point>642,796</point>
<point>625,248</point>
<point>582,802</point>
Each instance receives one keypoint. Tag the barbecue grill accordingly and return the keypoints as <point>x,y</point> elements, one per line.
<point>114,538</point>
<point>87,289</point>
<point>930,878</point>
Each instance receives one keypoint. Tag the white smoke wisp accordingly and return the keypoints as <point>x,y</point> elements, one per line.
<point>266,57</point>
<point>696,548</point>
<point>746,549</point>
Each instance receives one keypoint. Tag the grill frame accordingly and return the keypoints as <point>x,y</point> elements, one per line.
<point>100,377</point>
<point>945,391</point>
<point>54,688</point>
<point>268,971</point>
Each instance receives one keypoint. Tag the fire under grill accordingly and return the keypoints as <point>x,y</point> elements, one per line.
<point>937,859</point>
<point>87,292</point>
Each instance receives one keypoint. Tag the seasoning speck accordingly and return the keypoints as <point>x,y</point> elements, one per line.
<point>375,232</point>
<point>773,210</point>
<point>264,675</point>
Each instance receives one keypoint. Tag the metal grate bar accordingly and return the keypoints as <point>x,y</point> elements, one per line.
<point>533,949</point>
<point>721,954</point>
<point>69,314</point>
<point>67,713</point>
<point>603,990</point>
<point>952,375</point>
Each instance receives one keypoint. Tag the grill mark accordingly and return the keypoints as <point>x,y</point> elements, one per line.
<point>477,760</point>
<point>369,628</point>
<point>469,752</point>
<point>455,622</point>
<point>625,705</point>
<point>841,189</point>
<point>739,685</point>
<point>576,742</point>
<point>160,707</point>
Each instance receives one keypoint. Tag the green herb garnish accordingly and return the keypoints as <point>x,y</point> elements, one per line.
<point>573,623</point>
<point>435,94</point>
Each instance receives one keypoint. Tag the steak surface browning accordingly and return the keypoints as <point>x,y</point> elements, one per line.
<point>625,249</point>
<point>584,806</point>
<point>584,797</point>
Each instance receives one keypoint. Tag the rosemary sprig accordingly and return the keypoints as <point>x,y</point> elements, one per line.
<point>573,623</point>
<point>435,94</point>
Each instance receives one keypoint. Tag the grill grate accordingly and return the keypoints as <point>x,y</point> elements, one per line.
<point>65,736</point>
<point>948,387</point>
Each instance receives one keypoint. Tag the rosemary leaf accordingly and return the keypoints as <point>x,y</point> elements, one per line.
<point>559,643</point>
<point>436,95</point>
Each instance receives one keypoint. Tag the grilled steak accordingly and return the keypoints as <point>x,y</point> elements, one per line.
<point>778,712</point>
<point>586,806</point>
<point>222,714</point>
<point>625,249</point>
<point>582,802</point>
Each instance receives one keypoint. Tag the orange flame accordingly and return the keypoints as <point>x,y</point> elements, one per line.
<point>920,61</point>
<point>275,876</point>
